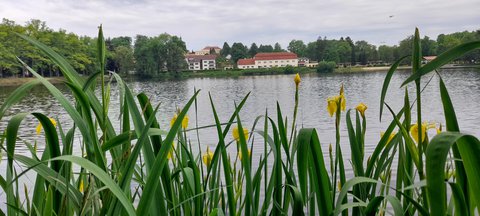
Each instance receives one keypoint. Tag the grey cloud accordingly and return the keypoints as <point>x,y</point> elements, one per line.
<point>204,22</point>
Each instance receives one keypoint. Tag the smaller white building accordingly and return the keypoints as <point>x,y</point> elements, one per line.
<point>201,62</point>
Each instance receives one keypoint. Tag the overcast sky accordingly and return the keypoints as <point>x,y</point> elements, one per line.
<point>211,22</point>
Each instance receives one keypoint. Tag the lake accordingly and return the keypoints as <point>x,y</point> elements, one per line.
<point>463,86</point>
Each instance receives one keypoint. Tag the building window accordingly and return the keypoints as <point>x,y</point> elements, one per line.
<point>276,61</point>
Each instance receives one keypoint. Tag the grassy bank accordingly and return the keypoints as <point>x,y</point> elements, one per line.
<point>21,81</point>
<point>232,73</point>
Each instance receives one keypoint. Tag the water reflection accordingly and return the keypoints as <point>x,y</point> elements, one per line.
<point>266,91</point>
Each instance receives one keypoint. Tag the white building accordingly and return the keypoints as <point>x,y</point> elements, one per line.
<point>201,62</point>
<point>269,60</point>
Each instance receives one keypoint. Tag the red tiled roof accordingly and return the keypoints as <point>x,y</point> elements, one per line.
<point>275,56</point>
<point>246,61</point>
<point>200,57</point>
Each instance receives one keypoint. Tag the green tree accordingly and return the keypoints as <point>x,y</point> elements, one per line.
<point>238,51</point>
<point>386,53</point>
<point>265,48</point>
<point>158,54</point>
<point>225,50</point>
<point>123,57</point>
<point>175,54</point>
<point>344,50</point>
<point>298,47</point>
<point>331,52</point>
<point>352,48</point>
<point>253,50</point>
<point>278,48</point>
<point>429,47</point>
<point>311,51</point>
<point>405,48</point>
<point>365,52</point>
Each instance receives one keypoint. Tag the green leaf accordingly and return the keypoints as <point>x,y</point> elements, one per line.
<point>16,96</point>
<point>443,59</point>
<point>103,177</point>
<point>452,125</point>
<point>459,199</point>
<point>309,148</point>
<point>160,161</point>
<point>345,188</point>
<point>386,83</point>
<point>437,152</point>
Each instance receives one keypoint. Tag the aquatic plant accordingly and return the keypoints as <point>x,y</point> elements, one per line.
<point>142,169</point>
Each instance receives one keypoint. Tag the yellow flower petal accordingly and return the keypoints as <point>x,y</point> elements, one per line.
<point>297,79</point>
<point>80,188</point>
<point>173,120</point>
<point>240,154</point>
<point>414,132</point>
<point>332,105</point>
<point>207,157</point>
<point>39,127</point>
<point>343,102</point>
<point>236,134</point>
<point>361,107</point>
<point>185,122</point>
<point>392,135</point>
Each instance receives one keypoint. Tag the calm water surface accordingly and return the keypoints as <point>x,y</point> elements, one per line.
<point>266,91</point>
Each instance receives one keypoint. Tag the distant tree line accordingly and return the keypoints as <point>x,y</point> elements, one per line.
<point>346,51</point>
<point>147,56</point>
<point>152,55</point>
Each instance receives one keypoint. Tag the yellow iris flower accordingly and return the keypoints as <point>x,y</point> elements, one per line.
<point>207,157</point>
<point>425,126</point>
<point>80,188</point>
<point>332,105</point>
<point>184,121</point>
<point>40,127</point>
<point>414,131</point>
<point>361,107</point>
<point>336,102</point>
<point>236,134</point>
<point>297,79</point>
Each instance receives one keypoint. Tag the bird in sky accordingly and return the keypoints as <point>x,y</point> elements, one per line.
<point>391,16</point>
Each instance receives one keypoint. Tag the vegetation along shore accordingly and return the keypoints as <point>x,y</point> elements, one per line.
<point>167,55</point>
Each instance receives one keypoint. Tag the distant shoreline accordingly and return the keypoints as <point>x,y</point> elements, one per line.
<point>12,82</point>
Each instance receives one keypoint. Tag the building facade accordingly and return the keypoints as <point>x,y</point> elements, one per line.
<point>269,60</point>
<point>201,62</point>
<point>207,49</point>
